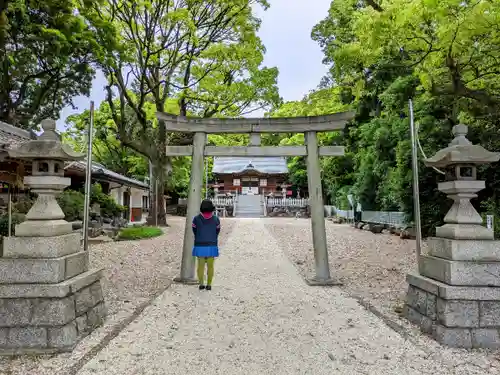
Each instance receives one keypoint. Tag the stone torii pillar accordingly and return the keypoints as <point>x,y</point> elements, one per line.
<point>321,263</point>
<point>193,208</point>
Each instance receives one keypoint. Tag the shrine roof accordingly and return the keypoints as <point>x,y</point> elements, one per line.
<point>267,165</point>
<point>13,136</point>
<point>100,170</point>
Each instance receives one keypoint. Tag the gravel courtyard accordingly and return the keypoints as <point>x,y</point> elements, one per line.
<point>134,273</point>
<point>261,318</point>
<point>372,267</point>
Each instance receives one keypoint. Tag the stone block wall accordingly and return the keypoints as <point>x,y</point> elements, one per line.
<point>288,211</point>
<point>50,319</point>
<point>455,316</point>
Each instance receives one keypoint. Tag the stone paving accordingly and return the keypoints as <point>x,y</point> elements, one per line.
<point>261,318</point>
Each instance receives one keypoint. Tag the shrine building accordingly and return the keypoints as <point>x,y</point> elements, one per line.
<point>250,176</point>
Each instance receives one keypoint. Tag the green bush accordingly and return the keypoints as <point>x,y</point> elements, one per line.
<point>138,233</point>
<point>17,218</point>
<point>23,204</point>
<point>109,207</point>
<point>72,203</point>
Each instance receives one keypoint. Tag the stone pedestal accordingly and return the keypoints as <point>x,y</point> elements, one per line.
<point>456,297</point>
<point>49,299</point>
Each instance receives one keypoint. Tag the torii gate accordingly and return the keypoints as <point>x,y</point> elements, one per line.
<point>310,126</point>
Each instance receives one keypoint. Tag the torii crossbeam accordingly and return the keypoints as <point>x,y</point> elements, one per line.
<point>310,126</point>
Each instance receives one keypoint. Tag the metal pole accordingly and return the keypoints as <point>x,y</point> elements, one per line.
<point>10,211</point>
<point>416,193</point>
<point>151,191</point>
<point>156,202</point>
<point>206,170</point>
<point>88,179</point>
<point>206,178</point>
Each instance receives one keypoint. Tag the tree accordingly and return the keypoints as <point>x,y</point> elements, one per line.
<point>319,102</point>
<point>205,54</point>
<point>444,56</point>
<point>106,149</point>
<point>46,51</point>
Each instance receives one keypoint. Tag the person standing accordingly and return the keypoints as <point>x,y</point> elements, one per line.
<point>206,229</point>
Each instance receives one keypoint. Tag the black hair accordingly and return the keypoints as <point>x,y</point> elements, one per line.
<point>207,206</point>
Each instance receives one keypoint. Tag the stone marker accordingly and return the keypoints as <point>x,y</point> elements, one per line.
<point>456,296</point>
<point>49,299</point>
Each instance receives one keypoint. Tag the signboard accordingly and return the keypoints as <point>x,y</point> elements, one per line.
<point>489,222</point>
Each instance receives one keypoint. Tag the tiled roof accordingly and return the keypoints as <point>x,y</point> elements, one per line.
<point>11,136</point>
<point>268,165</point>
<point>100,169</point>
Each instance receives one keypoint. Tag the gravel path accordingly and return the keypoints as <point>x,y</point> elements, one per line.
<point>371,266</point>
<point>261,318</point>
<point>137,270</point>
<point>134,272</point>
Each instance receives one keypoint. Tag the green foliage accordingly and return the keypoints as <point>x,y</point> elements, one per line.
<point>23,204</point>
<point>72,203</point>
<point>139,233</point>
<point>193,58</point>
<point>107,149</point>
<point>109,207</point>
<point>492,207</point>
<point>46,51</point>
<point>442,55</point>
<point>17,218</point>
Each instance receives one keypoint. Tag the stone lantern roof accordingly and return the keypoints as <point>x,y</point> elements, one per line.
<point>46,146</point>
<point>461,151</point>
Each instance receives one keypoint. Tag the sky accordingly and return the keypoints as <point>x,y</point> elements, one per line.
<point>286,33</point>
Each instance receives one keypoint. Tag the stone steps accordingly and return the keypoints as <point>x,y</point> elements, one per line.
<point>249,206</point>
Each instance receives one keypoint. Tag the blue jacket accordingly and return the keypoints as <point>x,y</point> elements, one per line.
<point>206,231</point>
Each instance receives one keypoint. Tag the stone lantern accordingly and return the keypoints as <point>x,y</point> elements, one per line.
<point>49,298</point>
<point>455,297</point>
<point>460,160</point>
<point>48,154</point>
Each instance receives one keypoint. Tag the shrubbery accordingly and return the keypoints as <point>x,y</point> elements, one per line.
<point>17,218</point>
<point>71,203</point>
<point>109,207</point>
<point>138,233</point>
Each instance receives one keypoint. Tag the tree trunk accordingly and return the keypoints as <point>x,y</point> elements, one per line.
<point>157,214</point>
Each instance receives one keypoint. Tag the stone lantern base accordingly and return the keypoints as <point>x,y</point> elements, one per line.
<point>49,299</point>
<point>456,298</point>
